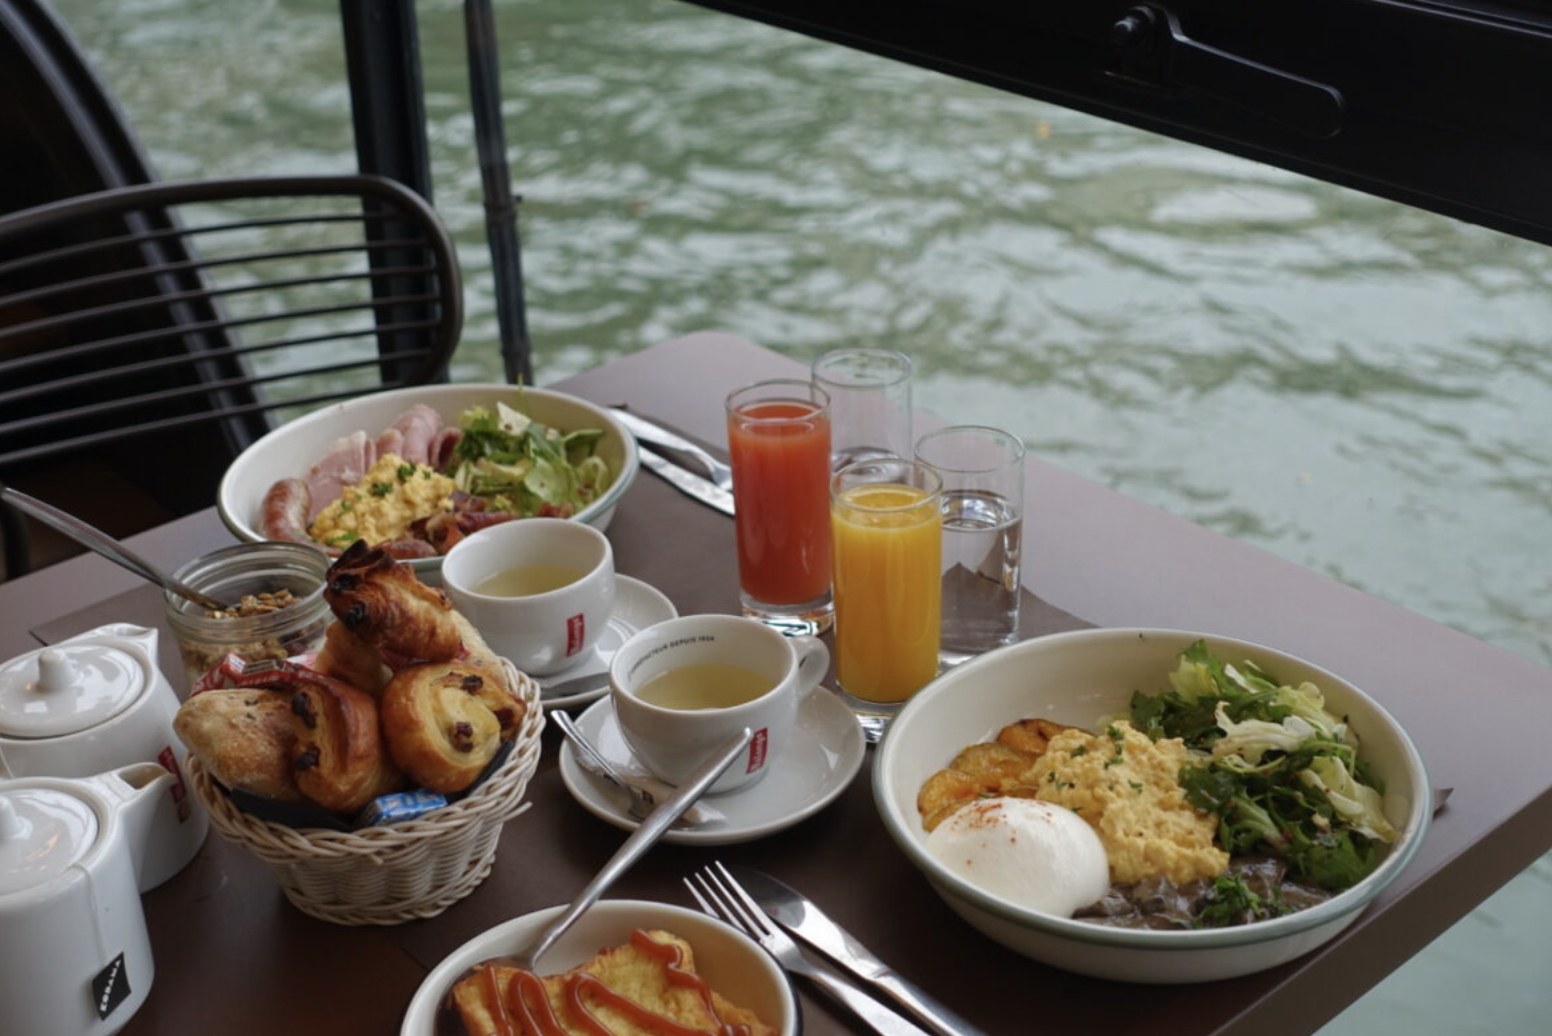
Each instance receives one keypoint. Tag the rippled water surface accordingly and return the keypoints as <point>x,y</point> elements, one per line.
<point>1360,387</point>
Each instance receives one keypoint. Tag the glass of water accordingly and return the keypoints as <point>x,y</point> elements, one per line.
<point>983,522</point>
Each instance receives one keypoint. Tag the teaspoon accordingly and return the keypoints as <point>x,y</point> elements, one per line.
<point>110,548</point>
<point>634,847</point>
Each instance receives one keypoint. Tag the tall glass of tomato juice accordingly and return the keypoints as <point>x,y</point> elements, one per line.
<point>887,543</point>
<point>779,442</point>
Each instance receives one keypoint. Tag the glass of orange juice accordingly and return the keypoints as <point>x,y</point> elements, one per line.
<point>886,528</point>
<point>779,445</point>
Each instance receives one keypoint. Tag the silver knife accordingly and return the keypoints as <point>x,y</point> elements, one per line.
<point>686,481</point>
<point>797,913</point>
<point>651,431</point>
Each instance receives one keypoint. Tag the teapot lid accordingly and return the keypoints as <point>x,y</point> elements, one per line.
<point>44,831</point>
<point>68,688</point>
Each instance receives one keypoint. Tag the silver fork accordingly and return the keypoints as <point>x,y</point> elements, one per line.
<point>640,801</point>
<point>722,897</point>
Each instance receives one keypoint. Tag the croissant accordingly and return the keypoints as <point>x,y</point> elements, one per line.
<point>339,758</point>
<point>444,721</point>
<point>243,737</point>
<point>477,652</point>
<point>381,601</point>
<point>346,656</point>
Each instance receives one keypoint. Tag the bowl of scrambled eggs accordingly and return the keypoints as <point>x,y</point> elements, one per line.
<point>1242,806</point>
<point>418,467</point>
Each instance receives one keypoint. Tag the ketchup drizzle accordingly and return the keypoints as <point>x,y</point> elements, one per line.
<point>526,1011</point>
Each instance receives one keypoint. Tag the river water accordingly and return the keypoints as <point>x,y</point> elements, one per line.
<point>1360,387</point>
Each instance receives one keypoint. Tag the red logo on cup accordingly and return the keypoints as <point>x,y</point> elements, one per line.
<point>757,747</point>
<point>576,631</point>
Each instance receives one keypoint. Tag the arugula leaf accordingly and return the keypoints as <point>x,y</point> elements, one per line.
<point>1280,772</point>
<point>1232,902</point>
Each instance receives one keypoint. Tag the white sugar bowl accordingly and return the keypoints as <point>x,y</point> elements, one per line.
<point>72,933</point>
<point>94,703</point>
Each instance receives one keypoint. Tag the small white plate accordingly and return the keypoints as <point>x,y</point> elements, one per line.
<point>637,605</point>
<point>825,753</point>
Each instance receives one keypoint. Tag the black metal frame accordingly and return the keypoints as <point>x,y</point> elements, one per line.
<point>162,327</point>
<point>1439,104</point>
<point>382,50</point>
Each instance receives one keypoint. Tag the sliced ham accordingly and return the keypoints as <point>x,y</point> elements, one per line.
<point>418,427</point>
<point>348,459</point>
<point>417,435</point>
<point>442,447</point>
<point>391,441</point>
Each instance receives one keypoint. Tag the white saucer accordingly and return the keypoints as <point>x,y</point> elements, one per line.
<point>825,753</point>
<point>637,605</point>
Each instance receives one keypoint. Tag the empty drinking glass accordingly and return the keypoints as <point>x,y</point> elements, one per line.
<point>870,403</point>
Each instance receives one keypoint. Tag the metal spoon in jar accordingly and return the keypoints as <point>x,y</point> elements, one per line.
<point>110,548</point>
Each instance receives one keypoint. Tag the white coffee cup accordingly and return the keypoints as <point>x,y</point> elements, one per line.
<point>511,581</point>
<point>671,741</point>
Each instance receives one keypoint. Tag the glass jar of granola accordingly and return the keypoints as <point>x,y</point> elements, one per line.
<point>275,605</point>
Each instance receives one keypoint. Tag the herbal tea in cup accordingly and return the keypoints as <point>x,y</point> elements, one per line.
<point>527,580</point>
<point>539,590</point>
<point>682,687</point>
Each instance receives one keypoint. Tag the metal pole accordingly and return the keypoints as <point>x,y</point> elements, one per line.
<point>500,205</point>
<point>388,109</point>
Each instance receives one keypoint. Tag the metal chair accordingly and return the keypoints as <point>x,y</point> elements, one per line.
<point>161,328</point>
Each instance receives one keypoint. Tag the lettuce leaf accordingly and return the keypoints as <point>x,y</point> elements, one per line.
<point>1279,770</point>
<point>519,465</point>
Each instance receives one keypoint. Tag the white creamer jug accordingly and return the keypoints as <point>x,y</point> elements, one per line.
<point>72,933</point>
<point>94,703</point>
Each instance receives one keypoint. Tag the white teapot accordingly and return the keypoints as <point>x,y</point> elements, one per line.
<point>94,703</point>
<point>72,933</point>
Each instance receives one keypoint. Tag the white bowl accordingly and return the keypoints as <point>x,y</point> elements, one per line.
<point>1075,678</point>
<point>728,960</point>
<point>291,449</point>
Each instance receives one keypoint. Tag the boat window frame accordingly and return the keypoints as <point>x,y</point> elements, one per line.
<point>1436,104</point>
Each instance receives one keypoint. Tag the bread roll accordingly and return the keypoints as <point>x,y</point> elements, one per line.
<point>244,738</point>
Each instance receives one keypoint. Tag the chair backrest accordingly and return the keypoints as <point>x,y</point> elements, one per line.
<point>166,326</point>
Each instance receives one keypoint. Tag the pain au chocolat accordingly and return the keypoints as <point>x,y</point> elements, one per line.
<point>339,758</point>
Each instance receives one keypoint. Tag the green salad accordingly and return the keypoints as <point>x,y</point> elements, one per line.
<point>1281,772</point>
<point>519,465</point>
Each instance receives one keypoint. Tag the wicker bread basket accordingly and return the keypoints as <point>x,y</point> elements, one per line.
<point>398,872</point>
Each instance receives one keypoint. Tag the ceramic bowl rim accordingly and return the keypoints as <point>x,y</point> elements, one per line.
<point>1348,902</point>
<point>595,513</point>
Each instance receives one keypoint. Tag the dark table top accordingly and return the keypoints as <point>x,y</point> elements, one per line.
<point>232,953</point>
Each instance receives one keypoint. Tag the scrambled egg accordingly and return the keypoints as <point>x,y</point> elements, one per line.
<point>380,508</point>
<point>1124,785</point>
